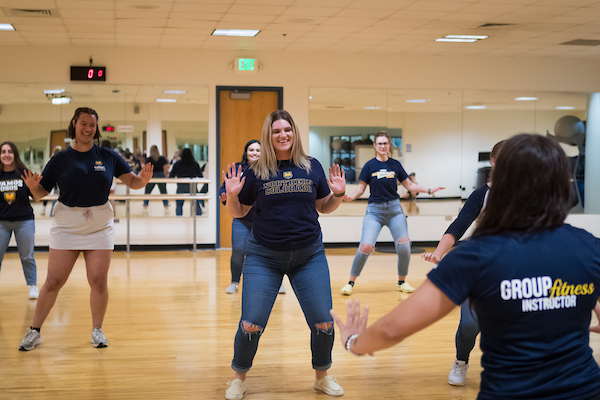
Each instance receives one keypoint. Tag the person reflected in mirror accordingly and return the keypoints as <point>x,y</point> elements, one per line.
<point>83,219</point>
<point>16,214</point>
<point>382,174</point>
<point>531,279</point>
<point>54,190</point>
<point>186,167</point>
<point>288,189</point>
<point>160,166</point>
<point>468,328</point>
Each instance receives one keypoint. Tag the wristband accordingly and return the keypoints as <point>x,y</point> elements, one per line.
<point>339,194</point>
<point>349,343</point>
<point>429,191</point>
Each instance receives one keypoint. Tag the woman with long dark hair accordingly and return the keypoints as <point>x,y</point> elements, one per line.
<point>468,328</point>
<point>288,189</point>
<point>83,220</point>
<point>532,280</point>
<point>186,167</point>
<point>16,214</point>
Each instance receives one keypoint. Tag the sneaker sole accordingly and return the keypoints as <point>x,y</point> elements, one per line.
<point>99,345</point>
<point>456,384</point>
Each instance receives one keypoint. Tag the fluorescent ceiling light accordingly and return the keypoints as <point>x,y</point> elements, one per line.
<point>61,100</point>
<point>455,40</point>
<point>166,100</point>
<point>310,97</point>
<point>175,91</point>
<point>525,98</point>
<point>564,108</point>
<point>6,27</point>
<point>417,101</point>
<point>475,107</point>
<point>54,91</point>
<point>372,108</point>
<point>476,37</point>
<point>235,32</point>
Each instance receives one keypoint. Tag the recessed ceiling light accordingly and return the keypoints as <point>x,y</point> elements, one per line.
<point>564,108</point>
<point>372,108</point>
<point>175,91</point>
<point>476,37</point>
<point>476,107</point>
<point>461,38</point>
<point>417,101</point>
<point>61,100</point>
<point>166,100</point>
<point>6,27</point>
<point>525,98</point>
<point>54,91</point>
<point>310,97</point>
<point>236,32</point>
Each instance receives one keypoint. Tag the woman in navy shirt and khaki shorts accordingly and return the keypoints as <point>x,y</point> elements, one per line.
<point>83,218</point>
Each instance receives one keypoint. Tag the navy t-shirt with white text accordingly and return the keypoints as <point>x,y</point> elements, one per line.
<point>14,198</point>
<point>533,296</point>
<point>84,178</point>
<point>286,215</point>
<point>383,178</point>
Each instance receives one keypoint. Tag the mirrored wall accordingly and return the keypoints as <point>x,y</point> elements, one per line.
<point>444,136</point>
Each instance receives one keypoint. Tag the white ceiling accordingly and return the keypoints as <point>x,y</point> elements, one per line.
<point>538,27</point>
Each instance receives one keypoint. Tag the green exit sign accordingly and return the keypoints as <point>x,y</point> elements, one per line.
<point>246,64</point>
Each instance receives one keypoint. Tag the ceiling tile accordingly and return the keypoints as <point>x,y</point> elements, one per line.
<point>144,23</point>
<point>89,5</point>
<point>248,18</point>
<point>366,12</point>
<point>175,16</point>
<point>200,8</point>
<point>89,22</point>
<point>437,6</point>
<point>141,14</point>
<point>350,21</point>
<point>86,14</point>
<point>418,15</point>
<point>179,23</point>
<point>544,10</point>
<point>311,11</point>
<point>256,10</point>
<point>386,4</point>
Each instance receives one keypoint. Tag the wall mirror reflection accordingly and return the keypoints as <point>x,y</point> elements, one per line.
<point>444,136</point>
<point>131,117</point>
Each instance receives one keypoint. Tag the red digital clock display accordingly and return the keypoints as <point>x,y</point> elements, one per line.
<point>88,73</point>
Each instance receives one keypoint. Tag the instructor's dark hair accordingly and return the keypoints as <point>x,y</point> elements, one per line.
<point>78,112</point>
<point>531,189</point>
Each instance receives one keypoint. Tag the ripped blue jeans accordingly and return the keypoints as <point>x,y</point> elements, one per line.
<point>263,272</point>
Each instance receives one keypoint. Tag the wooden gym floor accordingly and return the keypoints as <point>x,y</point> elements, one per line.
<point>171,326</point>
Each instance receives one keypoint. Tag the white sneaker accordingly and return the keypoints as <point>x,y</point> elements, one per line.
<point>329,385</point>
<point>282,289</point>
<point>346,290</point>
<point>236,390</point>
<point>98,339</point>
<point>232,288</point>
<point>406,288</point>
<point>458,373</point>
<point>34,293</point>
<point>31,339</point>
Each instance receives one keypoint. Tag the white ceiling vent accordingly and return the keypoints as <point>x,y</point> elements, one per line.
<point>24,12</point>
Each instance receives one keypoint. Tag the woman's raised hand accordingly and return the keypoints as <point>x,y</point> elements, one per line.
<point>32,180</point>
<point>431,257</point>
<point>355,323</point>
<point>234,181</point>
<point>146,173</point>
<point>337,179</point>
<point>437,189</point>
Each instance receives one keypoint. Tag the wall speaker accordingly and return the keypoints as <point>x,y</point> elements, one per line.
<point>136,109</point>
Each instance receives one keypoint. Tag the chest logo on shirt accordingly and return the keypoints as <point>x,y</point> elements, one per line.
<point>10,197</point>
<point>288,174</point>
<point>99,167</point>
<point>541,293</point>
<point>298,185</point>
<point>384,174</point>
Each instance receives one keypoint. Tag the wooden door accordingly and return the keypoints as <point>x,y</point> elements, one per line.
<point>57,139</point>
<point>240,120</point>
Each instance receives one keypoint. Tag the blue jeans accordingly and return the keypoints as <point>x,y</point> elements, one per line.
<point>162,188</point>
<point>240,230</point>
<point>467,332</point>
<point>308,272</point>
<point>24,236</point>
<point>378,215</point>
<point>185,188</point>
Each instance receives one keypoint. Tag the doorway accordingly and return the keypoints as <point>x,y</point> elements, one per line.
<point>57,139</point>
<point>241,112</point>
